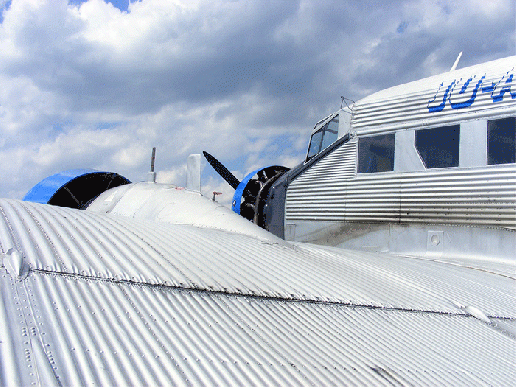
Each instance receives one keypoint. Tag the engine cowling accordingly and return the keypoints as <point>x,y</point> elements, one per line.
<point>252,192</point>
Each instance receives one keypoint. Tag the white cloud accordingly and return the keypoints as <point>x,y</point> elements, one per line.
<point>91,86</point>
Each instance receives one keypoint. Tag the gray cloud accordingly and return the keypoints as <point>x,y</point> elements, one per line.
<point>87,85</point>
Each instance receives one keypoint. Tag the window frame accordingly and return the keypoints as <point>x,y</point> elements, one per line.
<point>428,157</point>
<point>373,159</point>
<point>323,130</point>
<point>492,125</point>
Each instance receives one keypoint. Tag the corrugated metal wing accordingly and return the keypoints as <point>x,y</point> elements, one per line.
<point>85,332</point>
<point>103,299</point>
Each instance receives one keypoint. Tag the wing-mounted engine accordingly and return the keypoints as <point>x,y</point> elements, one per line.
<point>261,195</point>
<point>75,188</point>
<point>250,198</point>
<point>251,194</point>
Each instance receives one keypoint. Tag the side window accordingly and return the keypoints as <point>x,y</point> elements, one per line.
<point>501,136</point>
<point>324,137</point>
<point>439,147</point>
<point>376,154</point>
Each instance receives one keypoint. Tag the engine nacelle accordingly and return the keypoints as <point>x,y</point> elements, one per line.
<point>251,194</point>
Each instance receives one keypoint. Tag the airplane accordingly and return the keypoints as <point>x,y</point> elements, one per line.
<point>409,170</point>
<point>385,258</point>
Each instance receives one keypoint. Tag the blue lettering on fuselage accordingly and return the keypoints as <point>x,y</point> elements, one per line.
<point>464,92</point>
<point>456,92</point>
<point>437,97</point>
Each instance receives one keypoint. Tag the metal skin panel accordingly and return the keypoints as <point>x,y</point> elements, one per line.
<point>471,195</point>
<point>90,298</point>
<point>116,248</point>
<point>479,196</point>
<point>440,100</point>
<point>91,332</point>
<point>171,204</point>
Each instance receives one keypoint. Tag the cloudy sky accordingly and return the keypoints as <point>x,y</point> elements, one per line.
<point>96,84</point>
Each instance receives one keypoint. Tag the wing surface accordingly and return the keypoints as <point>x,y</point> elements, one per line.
<point>91,298</point>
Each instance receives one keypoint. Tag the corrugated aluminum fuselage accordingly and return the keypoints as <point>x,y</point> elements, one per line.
<point>469,209</point>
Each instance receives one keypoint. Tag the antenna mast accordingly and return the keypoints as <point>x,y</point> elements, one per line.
<point>456,62</point>
<point>151,176</point>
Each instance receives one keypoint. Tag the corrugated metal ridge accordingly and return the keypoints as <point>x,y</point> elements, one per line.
<point>115,248</point>
<point>404,102</point>
<point>419,116</point>
<point>340,162</point>
<point>407,106</point>
<point>468,196</point>
<point>85,333</point>
<point>492,69</point>
<point>503,179</point>
<point>252,295</point>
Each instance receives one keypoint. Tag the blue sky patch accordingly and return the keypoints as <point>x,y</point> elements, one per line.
<point>402,27</point>
<point>122,5</point>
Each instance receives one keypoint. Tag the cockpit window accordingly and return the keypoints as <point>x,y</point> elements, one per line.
<point>324,137</point>
<point>315,143</point>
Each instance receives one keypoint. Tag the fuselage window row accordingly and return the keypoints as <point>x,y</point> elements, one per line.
<point>438,147</point>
